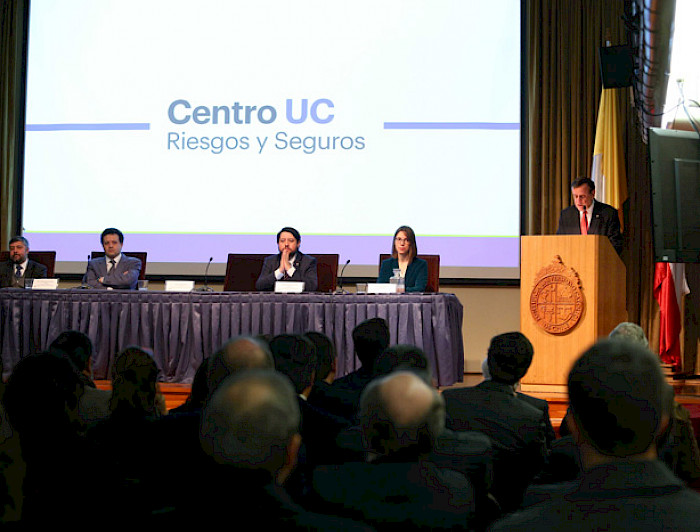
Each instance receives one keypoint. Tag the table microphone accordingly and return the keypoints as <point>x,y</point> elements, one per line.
<point>342,271</point>
<point>206,287</point>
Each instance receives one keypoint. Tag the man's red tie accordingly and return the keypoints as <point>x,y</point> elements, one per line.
<point>584,223</point>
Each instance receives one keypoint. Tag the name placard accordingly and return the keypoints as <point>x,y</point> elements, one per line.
<point>179,286</point>
<point>289,287</point>
<point>381,288</point>
<point>44,284</point>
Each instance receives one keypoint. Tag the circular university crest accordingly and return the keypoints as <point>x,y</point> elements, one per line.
<point>556,301</point>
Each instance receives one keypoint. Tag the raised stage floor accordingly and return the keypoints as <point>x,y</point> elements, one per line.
<point>687,394</point>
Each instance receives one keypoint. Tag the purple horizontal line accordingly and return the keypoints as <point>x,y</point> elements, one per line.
<point>451,125</point>
<point>124,126</point>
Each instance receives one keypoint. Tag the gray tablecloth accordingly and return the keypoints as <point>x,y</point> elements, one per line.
<point>184,328</point>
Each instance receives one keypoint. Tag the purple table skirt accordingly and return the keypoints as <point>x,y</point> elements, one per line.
<point>184,328</point>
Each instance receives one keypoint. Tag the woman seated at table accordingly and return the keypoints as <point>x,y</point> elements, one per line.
<point>403,257</point>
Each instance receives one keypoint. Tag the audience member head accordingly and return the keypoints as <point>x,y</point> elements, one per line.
<point>252,422</point>
<point>41,398</point>
<point>370,338</point>
<point>630,331</point>
<point>238,354</point>
<point>406,234</point>
<point>295,357</point>
<point>619,399</point>
<point>74,345</point>
<point>509,357</point>
<point>325,356</point>
<point>401,416</point>
<point>135,383</point>
<point>19,247</point>
<point>403,357</point>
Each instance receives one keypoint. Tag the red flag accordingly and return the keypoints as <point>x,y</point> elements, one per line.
<point>669,287</point>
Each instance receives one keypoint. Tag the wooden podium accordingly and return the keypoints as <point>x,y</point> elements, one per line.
<point>572,292</point>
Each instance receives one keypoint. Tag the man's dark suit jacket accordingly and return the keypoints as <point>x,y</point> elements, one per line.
<point>342,398</point>
<point>304,270</point>
<point>516,430</point>
<point>604,221</point>
<point>621,495</point>
<point>396,495</point>
<point>125,276</point>
<point>542,405</point>
<point>7,272</point>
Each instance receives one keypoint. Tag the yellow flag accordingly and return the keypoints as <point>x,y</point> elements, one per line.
<point>608,170</point>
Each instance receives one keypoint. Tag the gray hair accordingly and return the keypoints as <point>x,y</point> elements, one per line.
<point>630,331</point>
<point>250,420</point>
<point>237,354</point>
<point>401,412</point>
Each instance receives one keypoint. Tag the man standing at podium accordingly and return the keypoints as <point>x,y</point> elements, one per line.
<point>589,217</point>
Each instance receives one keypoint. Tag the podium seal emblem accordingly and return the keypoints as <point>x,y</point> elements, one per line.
<point>556,300</point>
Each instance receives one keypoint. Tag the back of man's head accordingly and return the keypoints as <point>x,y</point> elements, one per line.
<point>619,398</point>
<point>509,357</point>
<point>630,331</point>
<point>295,357</point>
<point>401,415</point>
<point>238,354</point>
<point>250,421</point>
<point>74,345</point>
<point>41,397</point>
<point>371,338</point>
<point>325,353</point>
<point>403,357</point>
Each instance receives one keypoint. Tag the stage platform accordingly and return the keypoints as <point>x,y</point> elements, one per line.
<point>687,394</point>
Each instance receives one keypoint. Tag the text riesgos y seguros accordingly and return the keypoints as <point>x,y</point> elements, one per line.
<point>320,111</point>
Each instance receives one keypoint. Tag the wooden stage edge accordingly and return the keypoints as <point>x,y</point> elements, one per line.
<point>687,392</point>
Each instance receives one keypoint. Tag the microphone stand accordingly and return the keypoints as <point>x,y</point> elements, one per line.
<point>340,290</point>
<point>206,287</point>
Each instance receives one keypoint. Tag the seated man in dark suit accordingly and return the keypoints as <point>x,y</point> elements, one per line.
<point>289,264</point>
<point>19,267</point>
<point>178,432</point>
<point>114,270</point>
<point>295,357</point>
<point>370,338</point>
<point>589,217</point>
<point>515,427</point>
<point>620,406</point>
<point>250,432</point>
<point>397,487</point>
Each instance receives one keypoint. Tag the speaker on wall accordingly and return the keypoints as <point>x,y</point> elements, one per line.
<point>616,66</point>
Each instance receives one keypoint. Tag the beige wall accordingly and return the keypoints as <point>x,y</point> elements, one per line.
<point>488,311</point>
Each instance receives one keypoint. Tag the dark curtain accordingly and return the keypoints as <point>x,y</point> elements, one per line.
<point>12,38</point>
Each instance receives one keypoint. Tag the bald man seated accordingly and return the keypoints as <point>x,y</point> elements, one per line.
<point>401,417</point>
